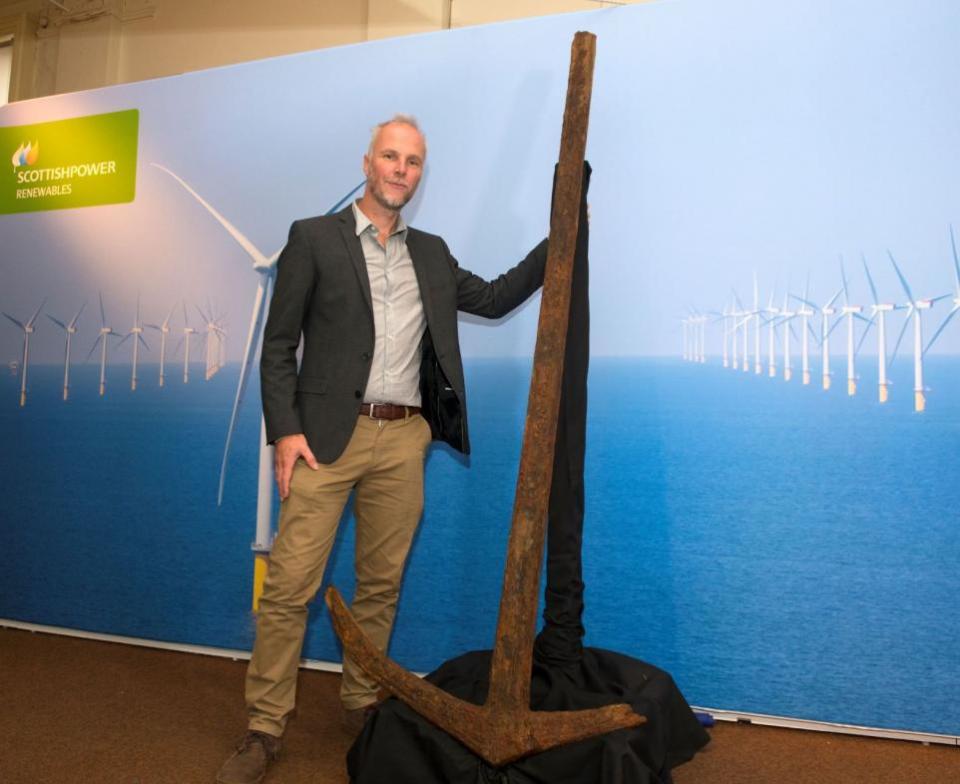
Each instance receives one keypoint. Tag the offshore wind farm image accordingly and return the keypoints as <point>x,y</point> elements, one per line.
<point>735,322</point>
<point>774,390</point>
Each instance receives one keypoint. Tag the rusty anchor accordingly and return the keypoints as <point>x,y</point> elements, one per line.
<point>504,729</point>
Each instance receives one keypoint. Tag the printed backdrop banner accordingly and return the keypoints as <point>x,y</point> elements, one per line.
<point>771,473</point>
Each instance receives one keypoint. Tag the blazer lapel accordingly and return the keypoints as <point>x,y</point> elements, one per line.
<point>348,230</point>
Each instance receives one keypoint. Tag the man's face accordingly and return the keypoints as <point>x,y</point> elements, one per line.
<point>394,167</point>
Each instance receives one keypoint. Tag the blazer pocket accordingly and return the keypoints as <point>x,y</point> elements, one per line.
<point>312,384</point>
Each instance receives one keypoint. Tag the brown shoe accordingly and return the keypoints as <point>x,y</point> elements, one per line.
<point>248,764</point>
<point>352,720</point>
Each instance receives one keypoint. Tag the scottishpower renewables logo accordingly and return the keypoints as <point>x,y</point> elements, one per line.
<point>26,155</point>
<point>86,161</point>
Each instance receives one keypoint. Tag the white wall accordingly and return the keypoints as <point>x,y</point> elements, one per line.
<point>103,42</point>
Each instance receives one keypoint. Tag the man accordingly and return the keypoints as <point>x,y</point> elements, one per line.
<point>381,376</point>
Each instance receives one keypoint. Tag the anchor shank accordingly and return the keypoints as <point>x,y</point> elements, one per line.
<point>516,626</point>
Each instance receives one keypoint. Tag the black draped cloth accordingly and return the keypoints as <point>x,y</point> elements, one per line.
<point>398,746</point>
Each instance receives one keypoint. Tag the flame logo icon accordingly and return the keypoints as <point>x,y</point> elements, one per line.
<point>27,154</point>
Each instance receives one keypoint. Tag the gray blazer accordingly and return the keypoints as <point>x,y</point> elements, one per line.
<point>322,291</point>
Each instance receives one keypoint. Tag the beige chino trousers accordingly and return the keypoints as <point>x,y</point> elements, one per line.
<point>384,464</point>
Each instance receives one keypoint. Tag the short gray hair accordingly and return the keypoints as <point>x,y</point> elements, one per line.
<point>403,119</point>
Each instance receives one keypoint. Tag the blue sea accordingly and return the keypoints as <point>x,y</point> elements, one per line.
<point>777,548</point>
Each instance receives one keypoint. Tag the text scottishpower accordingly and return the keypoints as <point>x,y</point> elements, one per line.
<point>67,172</point>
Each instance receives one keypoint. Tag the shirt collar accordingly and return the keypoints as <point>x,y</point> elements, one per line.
<point>364,223</point>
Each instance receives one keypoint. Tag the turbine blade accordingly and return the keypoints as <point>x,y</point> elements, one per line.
<point>94,347</point>
<point>128,336</point>
<point>863,336</point>
<point>903,280</point>
<point>36,313</point>
<point>873,289</point>
<point>15,321</point>
<point>833,298</point>
<point>166,321</point>
<point>249,351</point>
<point>259,260</point>
<point>103,315</point>
<point>942,327</point>
<point>55,321</point>
<point>143,342</point>
<point>836,323</point>
<point>956,260</point>
<point>77,317</point>
<point>896,348</point>
<point>339,205</point>
<point>843,276</point>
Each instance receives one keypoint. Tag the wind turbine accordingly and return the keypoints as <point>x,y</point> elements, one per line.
<point>703,338</point>
<point>136,333</point>
<point>741,318</point>
<point>265,267</point>
<point>785,318</point>
<point>805,311</point>
<point>771,323</point>
<point>69,330</point>
<point>757,363</point>
<point>212,352</point>
<point>851,312</point>
<point>826,311</point>
<point>164,330</point>
<point>28,330</point>
<point>188,332</point>
<point>956,295</point>
<point>914,308</point>
<point>880,310</point>
<point>725,317</point>
<point>102,336</point>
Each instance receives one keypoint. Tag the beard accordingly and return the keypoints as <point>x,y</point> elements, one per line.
<point>385,201</point>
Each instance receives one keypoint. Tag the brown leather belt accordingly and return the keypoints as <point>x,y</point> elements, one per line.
<point>388,411</point>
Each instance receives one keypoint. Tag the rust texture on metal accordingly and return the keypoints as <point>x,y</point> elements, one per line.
<point>504,729</point>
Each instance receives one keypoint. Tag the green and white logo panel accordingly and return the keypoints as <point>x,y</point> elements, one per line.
<point>81,162</point>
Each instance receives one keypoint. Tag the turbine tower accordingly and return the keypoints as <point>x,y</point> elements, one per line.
<point>956,295</point>
<point>757,363</point>
<point>745,317</point>
<point>164,330</point>
<point>771,323</point>
<point>914,309</point>
<point>70,330</point>
<point>880,310</point>
<point>188,332</point>
<point>805,312</point>
<point>28,329</point>
<point>826,311</point>
<point>102,336</point>
<point>265,268</point>
<point>136,333</point>
<point>785,317</point>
